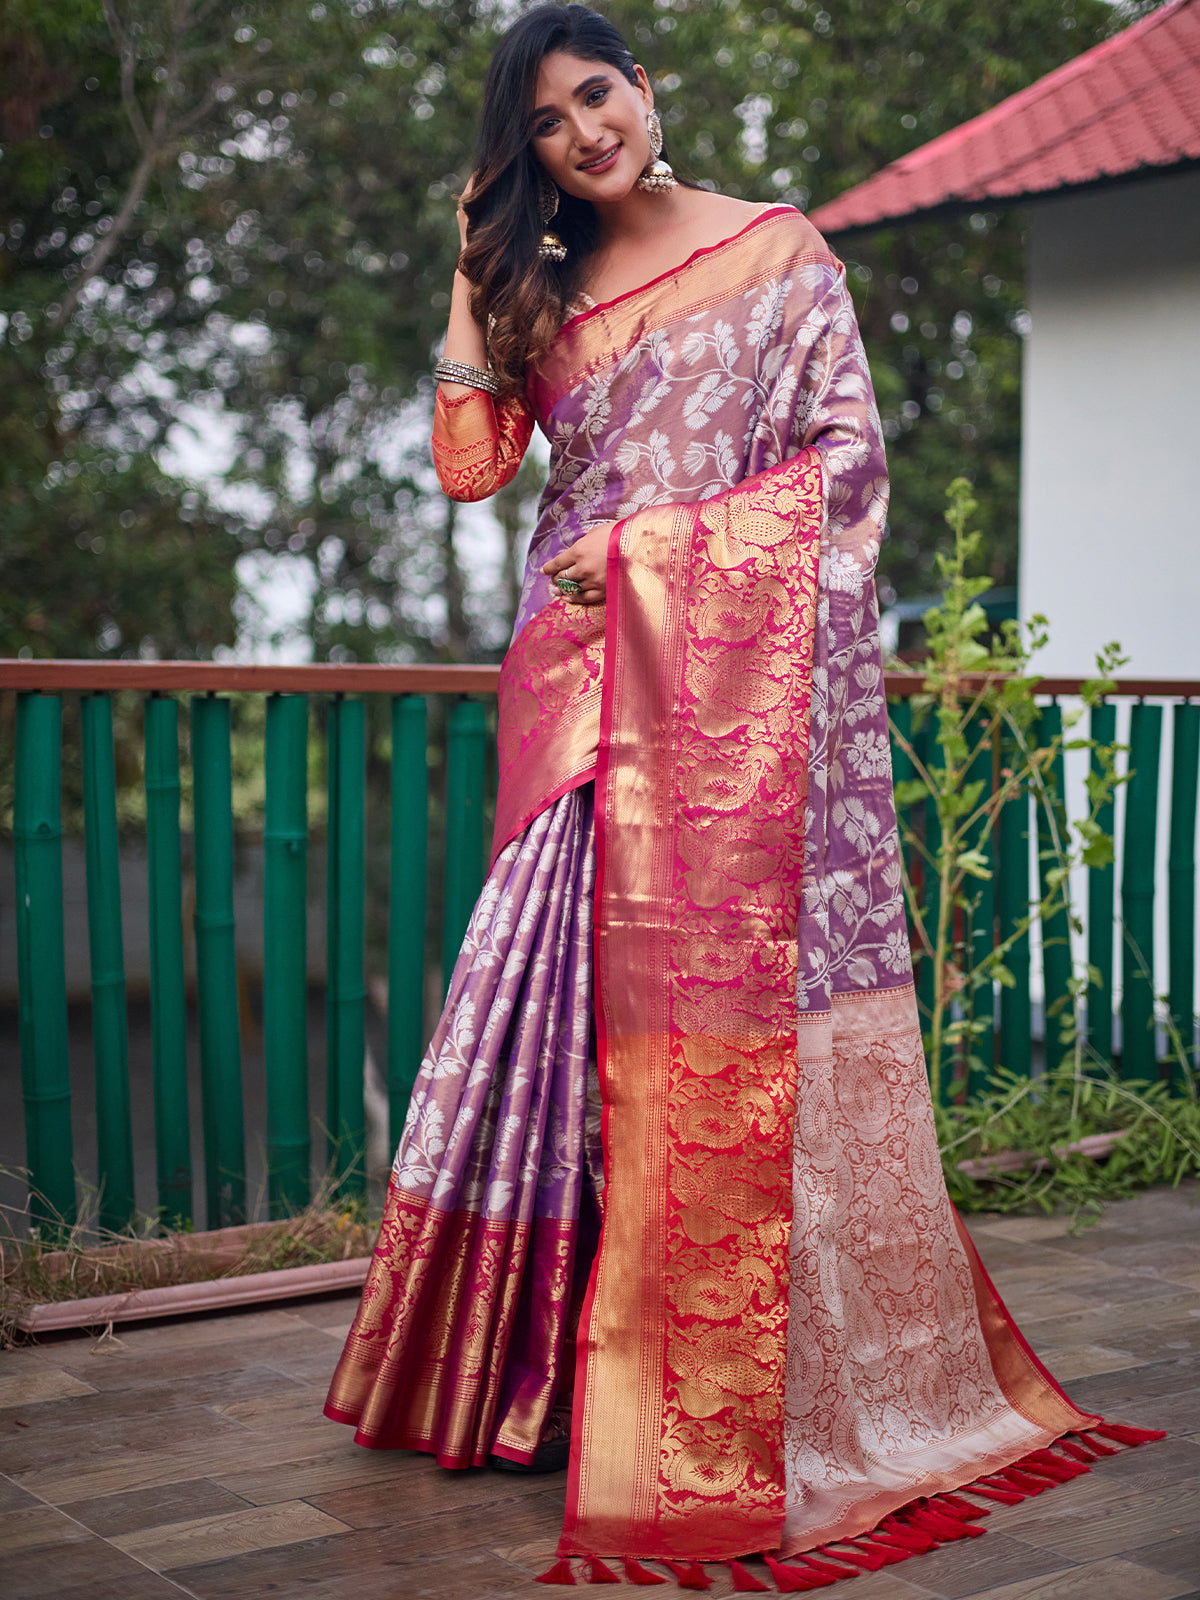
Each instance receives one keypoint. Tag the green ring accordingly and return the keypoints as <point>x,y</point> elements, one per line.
<point>568,586</point>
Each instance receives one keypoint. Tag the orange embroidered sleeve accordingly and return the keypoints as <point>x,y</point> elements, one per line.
<point>478,442</point>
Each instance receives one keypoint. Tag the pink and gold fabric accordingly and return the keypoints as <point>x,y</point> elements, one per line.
<point>785,1334</point>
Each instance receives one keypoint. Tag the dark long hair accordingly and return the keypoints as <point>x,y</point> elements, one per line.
<point>517,294</point>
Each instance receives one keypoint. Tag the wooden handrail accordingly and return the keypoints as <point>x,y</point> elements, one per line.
<point>905,684</point>
<point>208,677</point>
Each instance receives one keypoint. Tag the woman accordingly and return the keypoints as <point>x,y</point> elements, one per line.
<point>784,1336</point>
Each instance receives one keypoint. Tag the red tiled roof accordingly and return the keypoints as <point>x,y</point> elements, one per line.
<point>1129,103</point>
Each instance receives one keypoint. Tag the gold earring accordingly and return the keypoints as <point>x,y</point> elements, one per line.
<point>657,177</point>
<point>551,248</point>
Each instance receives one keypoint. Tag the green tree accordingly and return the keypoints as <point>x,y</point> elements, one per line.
<point>242,220</point>
<point>823,96</point>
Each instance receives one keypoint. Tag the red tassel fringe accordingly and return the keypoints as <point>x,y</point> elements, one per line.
<point>859,1554</point>
<point>1120,1434</point>
<point>915,1529</point>
<point>1076,1451</point>
<point>825,1570</point>
<point>689,1577</point>
<point>959,1507</point>
<point>745,1582</point>
<point>560,1572</point>
<point>1094,1444</point>
<point>636,1573</point>
<point>993,1491</point>
<point>903,1533</point>
<point>795,1580</point>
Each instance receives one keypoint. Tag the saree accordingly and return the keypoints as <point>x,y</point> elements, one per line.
<point>684,1007</point>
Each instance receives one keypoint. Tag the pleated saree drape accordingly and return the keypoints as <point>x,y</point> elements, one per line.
<point>784,1336</point>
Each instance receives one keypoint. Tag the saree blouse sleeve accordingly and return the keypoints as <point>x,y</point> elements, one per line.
<point>478,442</point>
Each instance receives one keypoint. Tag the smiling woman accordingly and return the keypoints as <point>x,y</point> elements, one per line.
<point>669,1194</point>
<point>566,128</point>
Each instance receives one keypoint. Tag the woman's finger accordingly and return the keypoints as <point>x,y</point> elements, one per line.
<point>560,562</point>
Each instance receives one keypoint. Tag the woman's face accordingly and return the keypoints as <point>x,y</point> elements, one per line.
<point>588,126</point>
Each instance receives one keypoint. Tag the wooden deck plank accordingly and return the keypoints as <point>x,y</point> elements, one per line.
<point>114,1514</point>
<point>231,1533</point>
<point>199,1448</point>
<point>1098,1580</point>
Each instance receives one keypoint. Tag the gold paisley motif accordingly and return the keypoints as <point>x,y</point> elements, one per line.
<point>718,1294</point>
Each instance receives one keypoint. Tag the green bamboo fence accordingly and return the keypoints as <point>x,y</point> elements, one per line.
<point>300,701</point>
<point>168,999</point>
<point>285,954</point>
<point>41,971</point>
<point>1138,1045</point>
<point>345,891</point>
<point>216,964</point>
<point>114,1131</point>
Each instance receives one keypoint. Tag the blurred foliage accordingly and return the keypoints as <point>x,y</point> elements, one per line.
<point>228,236</point>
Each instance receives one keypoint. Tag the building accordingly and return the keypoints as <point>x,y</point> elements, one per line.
<point>1104,155</point>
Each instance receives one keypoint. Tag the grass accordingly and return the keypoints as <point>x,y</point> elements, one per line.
<point>1042,1116</point>
<point>90,1262</point>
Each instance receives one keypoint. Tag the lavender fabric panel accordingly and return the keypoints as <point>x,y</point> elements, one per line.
<point>853,931</point>
<point>694,408</point>
<point>495,1124</point>
<point>690,410</point>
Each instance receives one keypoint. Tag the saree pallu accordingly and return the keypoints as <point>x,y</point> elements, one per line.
<point>785,1334</point>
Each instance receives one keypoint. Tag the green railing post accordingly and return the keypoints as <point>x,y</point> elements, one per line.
<point>216,964</point>
<point>1181,884</point>
<point>900,719</point>
<point>110,1042</point>
<point>1056,928</point>
<point>41,964</point>
<point>406,912</point>
<point>285,953</point>
<point>925,745</point>
<point>466,754</point>
<point>1012,907</point>
<point>345,893</point>
<point>168,1005</point>
<point>903,771</point>
<point>1139,1055</point>
<point>1101,883</point>
<point>980,920</point>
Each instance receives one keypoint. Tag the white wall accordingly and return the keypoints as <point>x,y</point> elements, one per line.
<point>1110,479</point>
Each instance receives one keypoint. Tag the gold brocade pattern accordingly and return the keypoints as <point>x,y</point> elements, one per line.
<point>704,781</point>
<point>423,1367</point>
<point>478,442</point>
<point>551,1263</point>
<point>550,686</point>
<point>716,276</point>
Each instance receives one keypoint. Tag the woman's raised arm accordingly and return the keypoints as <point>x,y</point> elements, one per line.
<point>478,441</point>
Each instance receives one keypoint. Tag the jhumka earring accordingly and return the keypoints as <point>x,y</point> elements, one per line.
<point>551,248</point>
<point>657,178</point>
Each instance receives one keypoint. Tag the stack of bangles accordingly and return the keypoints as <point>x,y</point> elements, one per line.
<point>473,377</point>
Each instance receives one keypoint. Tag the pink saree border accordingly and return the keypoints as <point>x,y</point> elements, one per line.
<point>689,1052</point>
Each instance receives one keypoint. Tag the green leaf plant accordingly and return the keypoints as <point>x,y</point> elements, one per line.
<point>979,702</point>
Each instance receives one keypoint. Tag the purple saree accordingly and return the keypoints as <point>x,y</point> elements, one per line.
<point>786,1341</point>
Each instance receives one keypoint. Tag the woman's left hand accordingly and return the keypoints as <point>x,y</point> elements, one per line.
<point>586,561</point>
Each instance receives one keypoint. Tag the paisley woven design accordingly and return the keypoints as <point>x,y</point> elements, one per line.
<point>788,1339</point>
<point>683,1344</point>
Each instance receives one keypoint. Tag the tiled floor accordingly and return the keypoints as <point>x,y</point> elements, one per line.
<point>191,1457</point>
